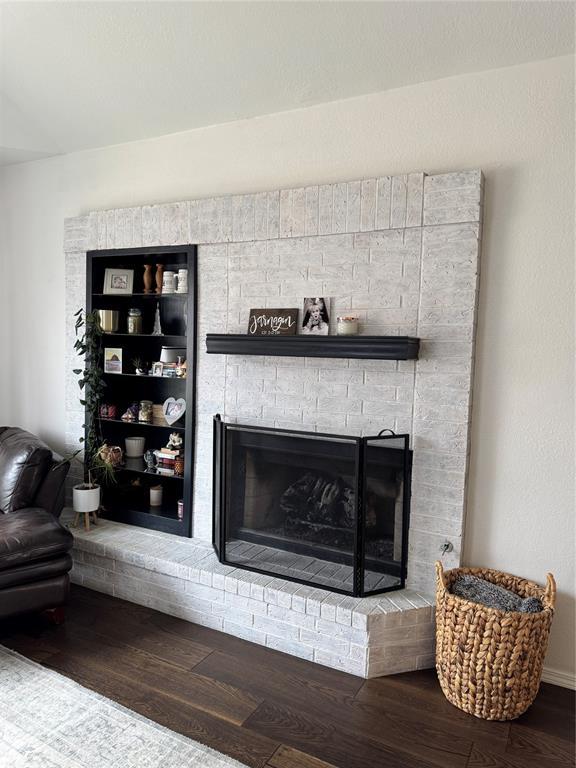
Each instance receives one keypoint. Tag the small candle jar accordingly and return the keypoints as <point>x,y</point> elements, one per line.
<point>347,326</point>
<point>145,411</point>
<point>134,321</point>
<point>156,496</point>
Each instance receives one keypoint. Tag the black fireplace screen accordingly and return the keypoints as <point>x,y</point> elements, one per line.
<point>324,510</point>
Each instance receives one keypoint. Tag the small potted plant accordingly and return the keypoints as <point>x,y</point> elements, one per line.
<point>140,367</point>
<point>86,495</point>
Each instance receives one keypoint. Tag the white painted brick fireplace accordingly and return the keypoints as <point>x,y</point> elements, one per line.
<point>402,252</point>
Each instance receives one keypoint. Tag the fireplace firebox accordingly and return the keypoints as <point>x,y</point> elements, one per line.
<point>328,511</point>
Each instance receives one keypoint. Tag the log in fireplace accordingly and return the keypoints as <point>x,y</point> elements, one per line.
<point>329,511</point>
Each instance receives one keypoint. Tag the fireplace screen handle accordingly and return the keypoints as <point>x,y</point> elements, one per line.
<point>382,431</point>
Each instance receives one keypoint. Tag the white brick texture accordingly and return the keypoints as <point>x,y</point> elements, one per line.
<point>402,252</point>
<point>367,637</point>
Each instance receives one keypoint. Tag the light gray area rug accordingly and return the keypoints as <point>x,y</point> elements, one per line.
<point>49,721</point>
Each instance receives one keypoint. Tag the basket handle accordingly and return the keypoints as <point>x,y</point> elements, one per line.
<point>440,577</point>
<point>550,591</point>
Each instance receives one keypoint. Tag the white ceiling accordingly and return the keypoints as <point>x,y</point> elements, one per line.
<point>77,75</point>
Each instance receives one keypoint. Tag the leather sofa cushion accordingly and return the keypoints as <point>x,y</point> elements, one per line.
<point>25,598</point>
<point>30,535</point>
<point>24,462</point>
<point>33,572</point>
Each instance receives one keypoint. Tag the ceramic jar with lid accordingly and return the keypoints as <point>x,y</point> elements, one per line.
<point>182,281</point>
<point>169,281</point>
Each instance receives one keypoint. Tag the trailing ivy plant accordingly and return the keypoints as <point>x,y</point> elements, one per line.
<point>88,345</point>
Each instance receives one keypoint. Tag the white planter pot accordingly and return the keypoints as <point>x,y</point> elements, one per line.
<point>85,499</point>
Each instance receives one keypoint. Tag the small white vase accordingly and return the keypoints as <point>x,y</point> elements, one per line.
<point>85,499</point>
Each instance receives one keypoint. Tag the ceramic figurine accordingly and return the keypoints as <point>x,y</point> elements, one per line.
<point>131,413</point>
<point>157,330</point>
<point>150,460</point>
<point>175,442</point>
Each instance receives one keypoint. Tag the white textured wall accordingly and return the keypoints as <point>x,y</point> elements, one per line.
<point>402,251</point>
<point>517,125</point>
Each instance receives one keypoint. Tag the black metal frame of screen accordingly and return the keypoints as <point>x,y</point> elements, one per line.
<point>219,498</point>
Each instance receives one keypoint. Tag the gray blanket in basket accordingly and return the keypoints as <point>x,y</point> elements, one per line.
<point>481,591</point>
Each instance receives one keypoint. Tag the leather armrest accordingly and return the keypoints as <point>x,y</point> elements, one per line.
<point>50,495</point>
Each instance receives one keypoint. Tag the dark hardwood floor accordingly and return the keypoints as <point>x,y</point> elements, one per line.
<point>270,710</point>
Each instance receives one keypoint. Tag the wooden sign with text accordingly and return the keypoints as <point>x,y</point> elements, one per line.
<point>272,322</point>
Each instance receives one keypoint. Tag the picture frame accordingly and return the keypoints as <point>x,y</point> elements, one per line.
<point>118,281</point>
<point>112,360</point>
<point>315,317</point>
<point>157,369</point>
<point>173,409</point>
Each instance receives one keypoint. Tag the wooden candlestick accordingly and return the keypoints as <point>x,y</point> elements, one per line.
<point>148,278</point>
<point>159,277</point>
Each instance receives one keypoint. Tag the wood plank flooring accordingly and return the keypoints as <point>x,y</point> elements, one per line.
<point>270,710</point>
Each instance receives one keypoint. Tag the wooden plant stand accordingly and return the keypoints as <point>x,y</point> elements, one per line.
<point>88,517</point>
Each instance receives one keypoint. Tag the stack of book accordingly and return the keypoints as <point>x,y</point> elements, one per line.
<point>169,370</point>
<point>166,461</point>
<point>158,415</point>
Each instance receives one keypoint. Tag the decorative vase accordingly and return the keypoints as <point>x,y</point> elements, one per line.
<point>148,278</point>
<point>108,319</point>
<point>135,447</point>
<point>159,277</point>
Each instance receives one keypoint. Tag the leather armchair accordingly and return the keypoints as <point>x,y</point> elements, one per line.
<point>34,548</point>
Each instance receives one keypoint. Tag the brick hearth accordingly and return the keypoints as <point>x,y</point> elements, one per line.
<point>369,637</point>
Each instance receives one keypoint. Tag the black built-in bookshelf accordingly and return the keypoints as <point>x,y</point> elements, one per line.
<point>124,500</point>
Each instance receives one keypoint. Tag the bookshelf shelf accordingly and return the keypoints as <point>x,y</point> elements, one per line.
<point>128,500</point>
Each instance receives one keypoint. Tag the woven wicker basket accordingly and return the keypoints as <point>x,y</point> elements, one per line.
<point>489,662</point>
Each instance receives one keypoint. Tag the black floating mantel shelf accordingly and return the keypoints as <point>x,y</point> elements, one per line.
<point>358,347</point>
